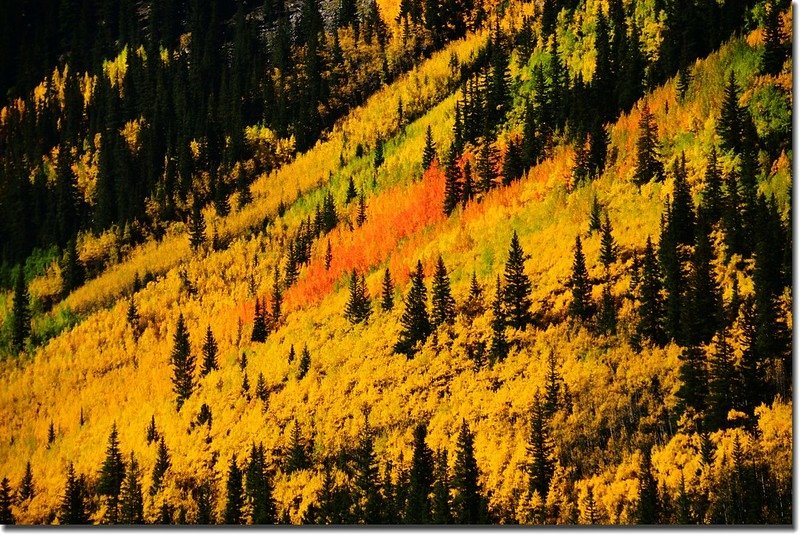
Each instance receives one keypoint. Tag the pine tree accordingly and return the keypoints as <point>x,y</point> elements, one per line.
<point>379,157</point>
<point>358,307</point>
<point>703,314</point>
<point>416,325</point>
<point>774,54</point>
<point>205,505</point>
<point>261,388</point>
<point>234,494</point>
<point>647,508</point>
<point>712,190</point>
<point>152,431</point>
<point>516,294</point>
<point>51,434</point>
<point>468,191</point>
<point>112,473</point>
<point>71,269</point>
<point>595,216</point>
<point>387,292</point>
<point>729,126</point>
<point>693,379</point>
<point>441,508</point>
<point>648,165</point>
<point>297,457</point>
<point>258,488</point>
<point>580,306</point>
<point>473,306</point>
<point>133,315</point>
<point>160,467</point>
<point>608,247</point>
<point>351,191</point>
<point>452,182</point>
<point>182,364</point>
<point>131,510</point>
<point>21,313</point>
<point>6,515</point>
<point>499,348</point>
<point>486,165</point>
<point>684,79</point>
<point>277,300</point>
<point>328,256</point>
<point>681,220</point>
<point>512,162</point>
<point>367,478</point>
<point>305,363</point>
<point>721,383</point>
<point>197,226</point>
<point>73,503</point>
<point>540,451</point>
<point>429,152</point>
<point>591,514</point>
<point>210,352</point>
<point>26,488</point>
<point>468,504</point>
<point>259,333</point>
<point>444,306</point>
<point>553,387</point>
<point>421,479</point>
<point>361,213</point>
<point>651,306</point>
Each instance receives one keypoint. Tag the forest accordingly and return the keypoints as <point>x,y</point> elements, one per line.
<point>396,262</point>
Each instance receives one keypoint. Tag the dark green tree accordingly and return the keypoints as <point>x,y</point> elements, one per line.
<point>595,216</point>
<point>131,508</point>
<point>351,191</point>
<point>259,333</point>
<point>21,313</point>
<point>730,124</point>
<point>722,385</point>
<point>540,451</point>
<point>517,290</point>
<point>387,291</point>
<point>73,508</point>
<point>429,152</point>
<point>210,352</point>
<point>71,269</point>
<point>468,504</point>
<point>452,182</point>
<point>418,509</point>
<point>112,474</point>
<point>305,363</point>
<point>693,380</point>
<point>416,325</point>
<point>608,247</point>
<point>444,306</point>
<point>499,345</point>
<point>160,467</point>
<point>182,364</point>
<point>647,508</point>
<point>775,51</point>
<point>485,166</point>
<point>580,307</point>
<point>258,488</point>
<point>441,506</point>
<point>648,165</point>
<point>6,515</point>
<point>26,488</point>
<point>358,307</point>
<point>712,189</point>
<point>682,221</point>
<point>367,478</point>
<point>197,226</point>
<point>297,458</point>
<point>651,306</point>
<point>234,501</point>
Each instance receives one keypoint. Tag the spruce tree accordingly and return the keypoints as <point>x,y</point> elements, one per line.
<point>277,300</point>
<point>774,54</point>
<point>721,383</point>
<point>485,166</point>
<point>261,388</point>
<point>693,380</point>
<point>361,213</point>
<point>468,189</point>
<point>234,501</point>
<point>607,320</point>
<point>6,515</point>
<point>429,152</point>
<point>416,325</point>
<point>328,256</point>
<point>580,306</point>
<point>379,157</point>
<point>473,306</point>
<point>205,505</point>
<point>712,189</point>
<point>210,352</point>
<point>258,488</point>
<point>305,363</point>
<point>499,344</point>
<point>369,504</point>
<point>297,458</point>
<point>648,165</point>
<point>682,220</point>
<point>182,364</point>
<point>131,510</point>
<point>51,434</point>
<point>441,507</point>
<point>468,504</point>
<point>608,247</point>
<point>444,306</point>
<point>112,473</point>
<point>71,269</point>
<point>197,226</point>
<point>132,316</point>
<point>160,467</point>
<point>74,500</point>
<point>647,508</point>
<point>152,431</point>
<point>387,291</point>
<point>358,306</point>
<point>553,387</point>
<point>259,333</point>
<point>20,313</point>
<point>651,307</point>
<point>26,488</point>
<point>595,216</point>
<point>540,451</point>
<point>729,126</point>
<point>452,182</point>
<point>351,191</point>
<point>704,310</point>
<point>421,479</point>
<point>517,290</point>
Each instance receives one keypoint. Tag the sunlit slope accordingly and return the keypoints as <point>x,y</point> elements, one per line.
<point>100,369</point>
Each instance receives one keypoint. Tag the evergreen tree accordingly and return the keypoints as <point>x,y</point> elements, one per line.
<point>182,364</point>
<point>367,478</point>
<point>20,313</point>
<point>421,479</point>
<point>259,333</point>
<point>651,306</point>
<point>595,216</point>
<point>361,213</point>
<point>71,269</point>
<point>234,494</point>
<point>684,79</point>
<point>261,388</point>
<point>452,182</point>
<point>358,306</point>
<point>729,126</point>
<point>512,162</point>
<point>152,431</point>
<point>379,157</point>
<point>328,256</point>
<point>441,508</point>
<point>712,191</point>
<point>693,379</point>
<point>553,386</point>
<point>581,305</point>
<point>133,315</point>
<point>647,509</point>
<point>682,221</point>
<point>607,322</point>
<point>499,348</point>
<point>591,514</point>
<point>305,363</point>
<point>721,383</point>
<point>703,314</point>
<point>648,165</point>
<point>205,505</point>
<point>26,488</point>
<point>444,306</point>
<point>74,500</point>
<point>210,352</point>
<point>540,451</point>
<point>416,325</point>
<point>387,292</point>
<point>351,191</point>
<point>774,54</point>
<point>277,300</point>
<point>297,457</point>
<point>429,152</point>
<point>473,306</point>
<point>468,190</point>
<point>258,488</point>
<point>160,467</point>
<point>468,504</point>
<point>197,226</point>
<point>112,474</point>
<point>516,294</point>
<point>51,434</point>
<point>131,509</point>
<point>608,247</point>
<point>6,515</point>
<point>485,166</point>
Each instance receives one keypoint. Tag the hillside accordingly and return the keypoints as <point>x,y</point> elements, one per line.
<point>603,415</point>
